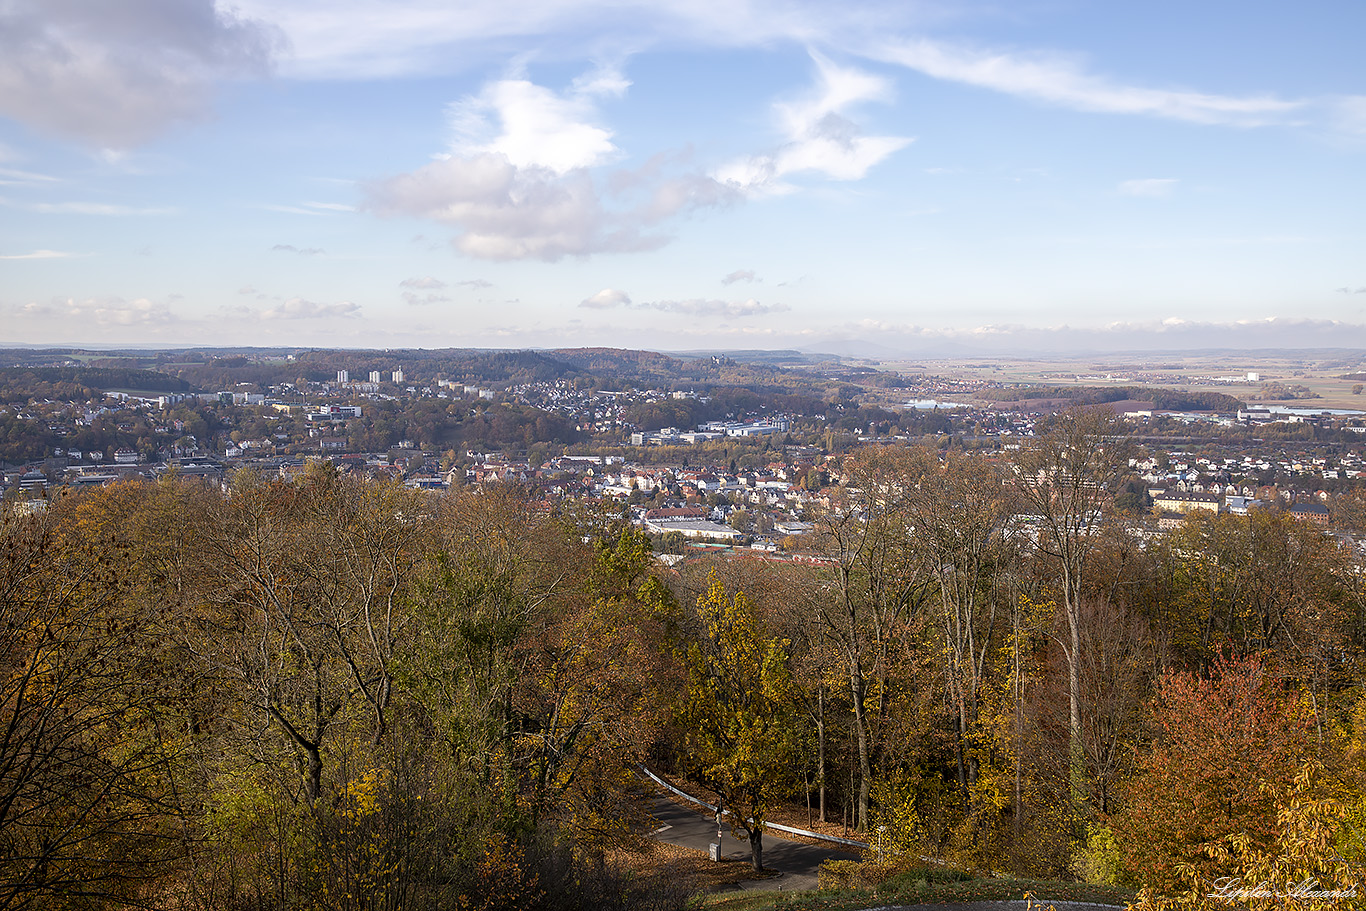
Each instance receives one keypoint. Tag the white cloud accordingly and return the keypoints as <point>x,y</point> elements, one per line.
<point>1150,186</point>
<point>94,208</point>
<point>302,251</point>
<point>740,275</point>
<point>605,80</point>
<point>104,312</point>
<point>117,74</point>
<point>700,307</point>
<point>40,254</point>
<point>1062,81</point>
<point>309,208</point>
<point>12,177</point>
<point>347,39</point>
<point>507,212</point>
<point>1170,334</point>
<point>611,298</point>
<point>299,308</point>
<point>518,185</point>
<point>535,127</point>
<point>1348,114</point>
<point>820,138</point>
<point>421,300</point>
<point>606,299</point>
<point>289,210</point>
<point>426,283</point>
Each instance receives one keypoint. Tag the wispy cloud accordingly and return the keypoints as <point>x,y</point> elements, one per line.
<point>427,283</point>
<point>41,254</point>
<point>309,208</point>
<point>299,308</point>
<point>700,307</point>
<point>1063,81</point>
<point>302,251</point>
<point>611,298</point>
<point>1149,186</point>
<point>1348,113</point>
<point>414,299</point>
<point>12,177</point>
<point>820,138</point>
<point>94,208</point>
<point>1172,333</point>
<point>740,275</point>
<point>104,312</point>
<point>424,283</point>
<point>347,39</point>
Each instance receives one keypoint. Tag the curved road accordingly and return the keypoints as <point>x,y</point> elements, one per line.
<point>798,861</point>
<point>795,861</point>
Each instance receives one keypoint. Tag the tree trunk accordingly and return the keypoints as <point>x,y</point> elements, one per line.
<point>314,781</point>
<point>820,746</point>
<point>1076,758</point>
<point>1019,727</point>
<point>861,731</point>
<point>756,848</point>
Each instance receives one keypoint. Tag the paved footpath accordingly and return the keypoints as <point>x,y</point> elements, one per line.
<point>1004,906</point>
<point>795,861</point>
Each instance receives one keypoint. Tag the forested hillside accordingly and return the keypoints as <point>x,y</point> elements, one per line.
<point>334,693</point>
<point>1161,399</point>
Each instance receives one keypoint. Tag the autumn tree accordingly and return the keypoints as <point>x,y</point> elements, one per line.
<point>92,724</point>
<point>306,581</point>
<point>487,601</point>
<point>738,711</point>
<point>600,682</point>
<point>1065,479</point>
<point>957,509</point>
<point>1301,869</point>
<point>872,588</point>
<point>1223,746</point>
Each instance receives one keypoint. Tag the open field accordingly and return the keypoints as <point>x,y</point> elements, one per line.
<point>1321,373</point>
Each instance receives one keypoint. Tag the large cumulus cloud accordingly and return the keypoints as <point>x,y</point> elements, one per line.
<point>115,74</point>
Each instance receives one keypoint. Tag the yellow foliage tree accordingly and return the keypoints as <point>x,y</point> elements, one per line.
<point>739,711</point>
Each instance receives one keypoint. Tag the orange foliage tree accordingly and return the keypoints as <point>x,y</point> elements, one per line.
<point>1226,747</point>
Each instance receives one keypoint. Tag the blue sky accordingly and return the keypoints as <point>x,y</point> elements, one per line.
<point>903,177</point>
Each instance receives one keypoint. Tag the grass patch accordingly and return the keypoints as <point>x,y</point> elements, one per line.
<point>743,901</point>
<point>674,865</point>
<point>920,887</point>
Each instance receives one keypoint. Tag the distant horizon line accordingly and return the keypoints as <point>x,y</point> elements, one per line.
<point>1022,353</point>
